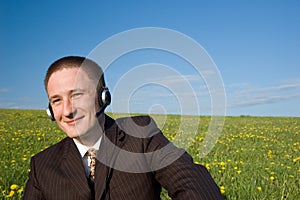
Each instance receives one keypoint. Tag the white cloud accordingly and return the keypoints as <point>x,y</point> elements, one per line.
<point>8,105</point>
<point>244,95</point>
<point>176,94</point>
<point>3,90</point>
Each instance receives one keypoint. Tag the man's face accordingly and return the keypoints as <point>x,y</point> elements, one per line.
<point>72,96</point>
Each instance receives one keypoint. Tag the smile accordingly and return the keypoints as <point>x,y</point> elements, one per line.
<point>74,121</point>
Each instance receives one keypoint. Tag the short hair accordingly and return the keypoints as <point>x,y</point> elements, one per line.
<point>92,69</point>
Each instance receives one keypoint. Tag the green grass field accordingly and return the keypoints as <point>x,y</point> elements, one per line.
<point>254,158</point>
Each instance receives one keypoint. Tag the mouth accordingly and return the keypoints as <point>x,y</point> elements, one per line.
<point>73,121</point>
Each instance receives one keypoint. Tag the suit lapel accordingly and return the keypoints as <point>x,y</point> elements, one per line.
<point>108,151</point>
<point>73,169</point>
<point>100,179</point>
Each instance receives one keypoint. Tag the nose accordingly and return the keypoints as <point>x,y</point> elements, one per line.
<point>68,109</point>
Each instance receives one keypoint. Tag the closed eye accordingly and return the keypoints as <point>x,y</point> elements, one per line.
<point>76,95</point>
<point>55,101</point>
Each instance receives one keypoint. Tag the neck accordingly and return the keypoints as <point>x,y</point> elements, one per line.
<point>90,141</point>
<point>94,134</point>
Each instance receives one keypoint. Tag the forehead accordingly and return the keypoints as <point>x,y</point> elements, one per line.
<point>69,79</point>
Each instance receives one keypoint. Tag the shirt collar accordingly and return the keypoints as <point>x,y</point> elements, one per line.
<point>83,148</point>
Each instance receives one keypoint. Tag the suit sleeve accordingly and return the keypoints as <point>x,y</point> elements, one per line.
<point>32,190</point>
<point>185,180</point>
<point>176,172</point>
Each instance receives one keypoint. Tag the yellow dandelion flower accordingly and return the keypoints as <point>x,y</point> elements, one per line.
<point>20,190</point>
<point>11,193</point>
<point>272,178</point>
<point>207,166</point>
<point>14,187</point>
<point>296,159</point>
<point>239,172</point>
<point>222,189</point>
<point>259,188</point>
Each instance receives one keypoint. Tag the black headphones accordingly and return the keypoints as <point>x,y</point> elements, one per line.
<point>104,99</point>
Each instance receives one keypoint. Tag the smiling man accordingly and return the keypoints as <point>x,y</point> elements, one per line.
<point>131,159</point>
<point>72,95</point>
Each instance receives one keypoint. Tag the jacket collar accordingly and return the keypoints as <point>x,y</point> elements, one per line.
<point>73,169</point>
<point>112,141</point>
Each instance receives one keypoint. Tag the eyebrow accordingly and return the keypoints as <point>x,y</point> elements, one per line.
<point>78,90</point>
<point>70,92</point>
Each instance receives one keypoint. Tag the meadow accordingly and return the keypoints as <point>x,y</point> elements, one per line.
<point>254,158</point>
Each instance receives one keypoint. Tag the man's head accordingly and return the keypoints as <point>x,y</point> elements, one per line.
<point>92,69</point>
<point>72,84</point>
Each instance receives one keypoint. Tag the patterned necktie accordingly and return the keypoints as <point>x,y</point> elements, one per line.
<point>92,154</point>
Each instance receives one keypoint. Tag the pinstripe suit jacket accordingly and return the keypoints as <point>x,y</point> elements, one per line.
<point>57,173</point>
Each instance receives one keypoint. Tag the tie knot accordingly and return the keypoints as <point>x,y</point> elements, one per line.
<point>92,152</point>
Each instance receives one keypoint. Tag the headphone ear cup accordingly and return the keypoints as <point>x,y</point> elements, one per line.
<point>104,98</point>
<point>50,112</point>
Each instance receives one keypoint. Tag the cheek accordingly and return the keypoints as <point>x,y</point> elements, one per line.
<point>88,106</point>
<point>57,113</point>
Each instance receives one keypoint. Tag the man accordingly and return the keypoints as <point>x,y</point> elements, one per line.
<point>134,159</point>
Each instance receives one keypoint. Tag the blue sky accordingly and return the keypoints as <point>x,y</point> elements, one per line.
<point>255,46</point>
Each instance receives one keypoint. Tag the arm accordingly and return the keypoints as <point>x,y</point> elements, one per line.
<point>177,173</point>
<point>172,167</point>
<point>185,180</point>
<point>32,190</point>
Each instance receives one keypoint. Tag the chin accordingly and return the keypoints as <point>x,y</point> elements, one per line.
<point>74,133</point>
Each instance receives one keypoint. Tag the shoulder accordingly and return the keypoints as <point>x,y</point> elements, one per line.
<point>53,152</point>
<point>142,132</point>
<point>140,120</point>
<point>142,126</point>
